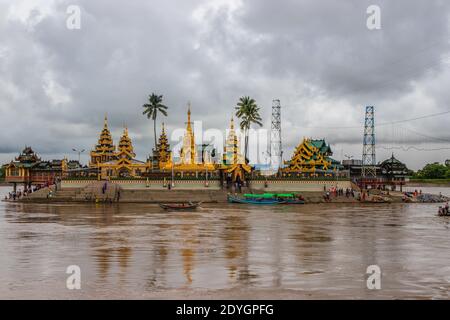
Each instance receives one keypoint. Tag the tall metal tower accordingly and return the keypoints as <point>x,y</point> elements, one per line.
<point>275,136</point>
<point>368,158</point>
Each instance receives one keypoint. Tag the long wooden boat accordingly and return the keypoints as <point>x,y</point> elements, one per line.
<point>287,198</point>
<point>180,206</point>
<point>379,199</point>
<point>258,201</point>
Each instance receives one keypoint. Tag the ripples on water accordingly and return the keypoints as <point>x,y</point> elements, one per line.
<point>135,250</point>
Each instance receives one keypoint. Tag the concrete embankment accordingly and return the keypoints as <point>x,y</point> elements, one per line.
<point>114,192</point>
<point>159,196</point>
<point>156,191</point>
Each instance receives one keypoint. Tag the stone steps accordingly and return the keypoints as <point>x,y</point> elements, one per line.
<point>39,194</point>
<point>95,191</point>
<point>65,194</point>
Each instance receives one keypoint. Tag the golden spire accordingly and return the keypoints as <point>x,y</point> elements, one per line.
<point>232,123</point>
<point>189,128</point>
<point>105,124</point>
<point>162,130</point>
<point>188,152</point>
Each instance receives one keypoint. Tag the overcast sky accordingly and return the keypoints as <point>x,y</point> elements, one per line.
<point>318,57</point>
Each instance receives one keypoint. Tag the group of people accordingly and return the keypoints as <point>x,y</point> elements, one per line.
<point>16,195</point>
<point>237,184</point>
<point>337,192</point>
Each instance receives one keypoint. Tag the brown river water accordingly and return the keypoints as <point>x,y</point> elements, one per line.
<point>224,251</point>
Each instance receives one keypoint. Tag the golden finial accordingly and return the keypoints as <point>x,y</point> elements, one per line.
<point>189,111</point>
<point>232,123</point>
<point>105,124</point>
<point>162,130</point>
<point>189,117</point>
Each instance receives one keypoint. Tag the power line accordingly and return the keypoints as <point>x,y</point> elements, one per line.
<point>408,148</point>
<point>385,123</point>
<point>427,136</point>
<point>413,119</point>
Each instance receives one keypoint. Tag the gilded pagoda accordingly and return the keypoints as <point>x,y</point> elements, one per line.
<point>313,158</point>
<point>189,159</point>
<point>233,160</point>
<point>105,150</point>
<point>112,163</point>
<point>162,154</point>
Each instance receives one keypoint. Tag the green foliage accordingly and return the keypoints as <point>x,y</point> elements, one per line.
<point>248,111</point>
<point>152,109</point>
<point>433,171</point>
<point>2,173</point>
<point>154,106</point>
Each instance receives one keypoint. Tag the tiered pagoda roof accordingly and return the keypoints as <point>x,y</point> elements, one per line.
<point>105,141</point>
<point>163,147</point>
<point>233,160</point>
<point>27,156</point>
<point>311,155</point>
<point>232,153</point>
<point>126,146</point>
<point>105,149</point>
<point>393,167</point>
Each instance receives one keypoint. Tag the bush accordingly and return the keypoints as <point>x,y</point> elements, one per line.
<point>433,171</point>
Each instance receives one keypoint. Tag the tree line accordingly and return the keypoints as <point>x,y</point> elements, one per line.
<point>433,171</point>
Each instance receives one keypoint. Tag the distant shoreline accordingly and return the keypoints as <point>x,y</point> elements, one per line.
<point>429,183</point>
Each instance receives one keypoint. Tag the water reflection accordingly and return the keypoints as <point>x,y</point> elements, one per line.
<point>136,250</point>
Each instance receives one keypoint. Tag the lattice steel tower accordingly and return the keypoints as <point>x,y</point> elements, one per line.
<point>275,151</point>
<point>368,158</point>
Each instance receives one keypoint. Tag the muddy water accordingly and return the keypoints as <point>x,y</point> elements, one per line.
<point>226,251</point>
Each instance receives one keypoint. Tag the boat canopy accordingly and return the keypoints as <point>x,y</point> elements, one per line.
<point>269,195</point>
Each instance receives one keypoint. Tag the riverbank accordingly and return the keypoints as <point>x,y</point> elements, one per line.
<point>48,195</point>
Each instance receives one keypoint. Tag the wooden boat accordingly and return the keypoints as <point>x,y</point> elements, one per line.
<point>258,201</point>
<point>287,198</point>
<point>380,199</point>
<point>180,206</point>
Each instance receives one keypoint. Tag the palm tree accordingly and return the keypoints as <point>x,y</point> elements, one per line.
<point>248,112</point>
<point>152,108</point>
